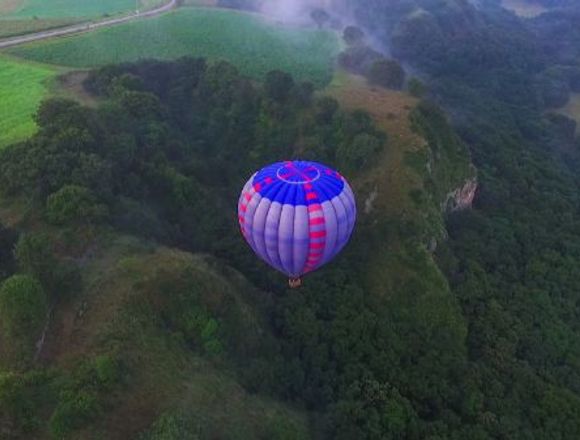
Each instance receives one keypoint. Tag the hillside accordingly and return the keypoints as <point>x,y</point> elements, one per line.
<point>409,184</point>
<point>177,342</point>
<point>131,307</point>
<point>509,260</point>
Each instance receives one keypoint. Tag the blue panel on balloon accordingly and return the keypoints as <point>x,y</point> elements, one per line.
<point>294,182</point>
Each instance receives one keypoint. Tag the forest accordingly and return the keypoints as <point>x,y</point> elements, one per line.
<point>474,337</point>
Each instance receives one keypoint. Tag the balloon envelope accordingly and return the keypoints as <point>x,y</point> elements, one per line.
<point>296,215</point>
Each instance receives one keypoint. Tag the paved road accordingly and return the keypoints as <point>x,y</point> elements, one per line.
<point>83,27</point>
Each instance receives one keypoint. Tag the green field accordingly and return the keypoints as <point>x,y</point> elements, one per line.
<point>22,86</point>
<point>19,17</point>
<point>42,9</point>
<point>249,41</point>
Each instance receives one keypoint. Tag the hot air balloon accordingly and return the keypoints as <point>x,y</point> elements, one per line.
<point>296,216</point>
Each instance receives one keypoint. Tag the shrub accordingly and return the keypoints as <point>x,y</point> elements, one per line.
<point>21,397</point>
<point>23,308</point>
<point>35,257</point>
<point>173,426</point>
<point>416,88</point>
<point>353,35</point>
<point>8,239</point>
<point>358,59</point>
<point>107,370</point>
<point>386,73</point>
<point>358,152</point>
<point>74,411</point>
<point>74,204</point>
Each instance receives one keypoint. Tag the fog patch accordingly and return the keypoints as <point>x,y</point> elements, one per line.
<point>299,11</point>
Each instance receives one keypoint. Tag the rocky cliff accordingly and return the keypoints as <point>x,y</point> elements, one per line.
<point>461,197</point>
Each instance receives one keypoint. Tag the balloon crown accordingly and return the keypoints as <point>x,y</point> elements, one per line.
<point>298,182</point>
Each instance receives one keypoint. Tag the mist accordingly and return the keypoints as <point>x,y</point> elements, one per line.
<point>296,11</point>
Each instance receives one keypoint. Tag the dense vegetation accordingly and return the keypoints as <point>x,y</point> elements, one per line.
<point>511,261</point>
<point>144,163</point>
<point>383,343</point>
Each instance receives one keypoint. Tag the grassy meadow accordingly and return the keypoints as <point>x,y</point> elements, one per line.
<point>390,111</point>
<point>22,87</point>
<point>249,41</point>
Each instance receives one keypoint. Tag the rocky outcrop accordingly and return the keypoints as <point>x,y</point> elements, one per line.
<point>462,197</point>
<point>369,201</point>
<point>459,199</point>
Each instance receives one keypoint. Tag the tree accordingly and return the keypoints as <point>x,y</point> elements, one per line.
<point>173,426</point>
<point>142,105</point>
<point>358,152</point>
<point>304,93</point>
<point>386,73</point>
<point>353,36</point>
<point>125,82</point>
<point>73,412</point>
<point>74,204</point>
<point>358,59</point>
<point>60,110</point>
<point>21,397</point>
<point>319,16</point>
<point>416,88</point>
<point>278,85</point>
<point>8,239</point>
<point>326,108</point>
<point>35,257</point>
<point>23,308</point>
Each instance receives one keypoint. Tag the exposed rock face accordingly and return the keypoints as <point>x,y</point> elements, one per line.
<point>462,197</point>
<point>456,200</point>
<point>369,201</point>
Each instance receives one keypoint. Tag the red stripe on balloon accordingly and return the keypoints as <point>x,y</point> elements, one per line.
<point>317,238</point>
